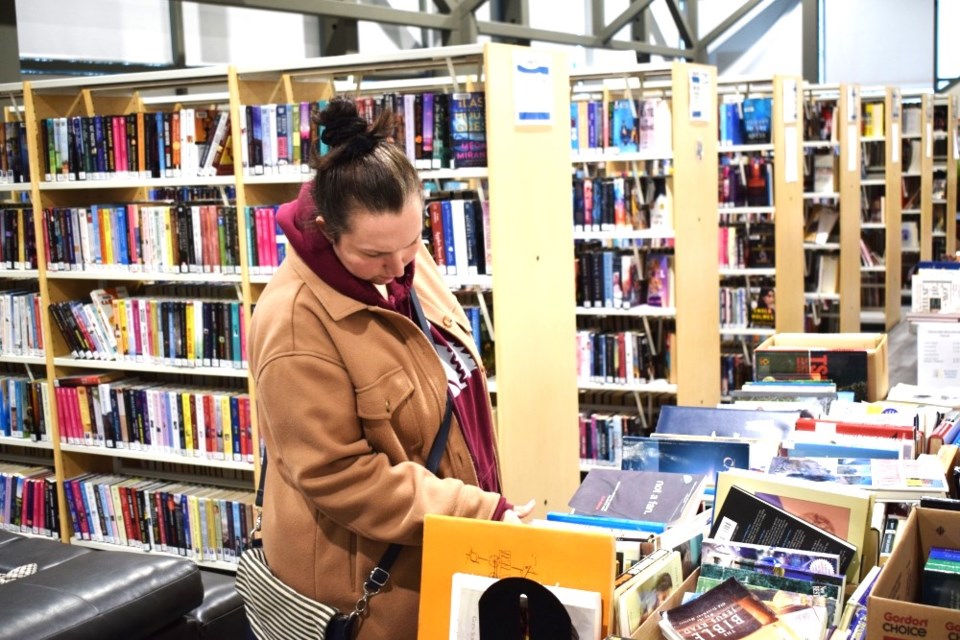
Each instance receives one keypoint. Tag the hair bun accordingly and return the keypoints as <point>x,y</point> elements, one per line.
<point>342,124</point>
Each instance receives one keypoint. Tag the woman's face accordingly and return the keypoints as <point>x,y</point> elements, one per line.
<point>378,246</point>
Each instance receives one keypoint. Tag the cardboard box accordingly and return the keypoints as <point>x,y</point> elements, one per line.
<point>855,361</point>
<point>893,612</point>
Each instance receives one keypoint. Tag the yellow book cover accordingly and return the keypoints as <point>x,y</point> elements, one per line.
<point>226,426</point>
<point>86,419</point>
<point>841,510</point>
<point>188,336</point>
<point>106,233</point>
<point>120,316</point>
<point>169,264</point>
<point>186,423</point>
<point>496,549</point>
<point>196,526</point>
<point>156,337</point>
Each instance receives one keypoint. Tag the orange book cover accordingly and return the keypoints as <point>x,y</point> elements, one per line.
<point>574,559</point>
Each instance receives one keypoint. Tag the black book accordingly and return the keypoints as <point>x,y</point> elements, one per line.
<point>133,144</point>
<point>744,517</point>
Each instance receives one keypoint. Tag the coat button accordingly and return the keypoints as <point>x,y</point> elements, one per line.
<point>447,321</point>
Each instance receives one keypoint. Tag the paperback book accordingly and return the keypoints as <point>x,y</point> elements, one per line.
<point>649,496</point>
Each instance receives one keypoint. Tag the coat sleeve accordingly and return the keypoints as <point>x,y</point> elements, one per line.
<point>307,408</point>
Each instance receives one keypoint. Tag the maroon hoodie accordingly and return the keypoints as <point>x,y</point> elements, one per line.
<point>470,404</point>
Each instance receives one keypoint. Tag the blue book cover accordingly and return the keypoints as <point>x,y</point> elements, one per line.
<point>609,523</point>
<point>707,457</point>
<point>728,423</point>
<point>757,119</point>
<point>448,247</point>
<point>161,157</point>
<point>235,333</point>
<point>468,129</point>
<point>624,131</point>
<point>574,131</point>
<point>95,255</point>
<point>831,450</point>
<point>235,427</point>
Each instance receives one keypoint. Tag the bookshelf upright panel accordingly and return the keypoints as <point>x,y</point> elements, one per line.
<point>893,208</point>
<point>926,177</point>
<point>849,183</point>
<point>788,201</point>
<point>533,298</point>
<point>694,204</point>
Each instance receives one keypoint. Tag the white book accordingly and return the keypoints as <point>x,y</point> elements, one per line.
<point>458,215</point>
<point>584,607</point>
<point>268,123</point>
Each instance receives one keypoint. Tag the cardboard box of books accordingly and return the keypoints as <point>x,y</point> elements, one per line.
<point>893,610</point>
<point>854,361</point>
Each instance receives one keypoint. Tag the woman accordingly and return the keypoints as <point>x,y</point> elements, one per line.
<point>351,392</point>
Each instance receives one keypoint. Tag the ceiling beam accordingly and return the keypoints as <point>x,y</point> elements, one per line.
<point>606,35</point>
<point>338,9</point>
<point>678,18</point>
<point>724,26</point>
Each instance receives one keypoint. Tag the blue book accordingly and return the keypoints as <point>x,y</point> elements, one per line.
<point>235,446</point>
<point>121,251</point>
<point>95,256</point>
<point>609,523</point>
<point>161,154</point>
<point>448,248</point>
<point>831,450</point>
<point>729,423</point>
<point>707,457</point>
<point>625,133</point>
<point>235,352</point>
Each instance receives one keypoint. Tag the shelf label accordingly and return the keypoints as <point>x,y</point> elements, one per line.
<point>699,96</point>
<point>532,88</point>
<point>791,150</point>
<point>789,99</point>
<point>895,143</point>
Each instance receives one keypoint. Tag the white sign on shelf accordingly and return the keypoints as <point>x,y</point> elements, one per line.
<point>791,148</point>
<point>532,88</point>
<point>895,144</point>
<point>789,88</point>
<point>699,96</point>
<point>938,354</point>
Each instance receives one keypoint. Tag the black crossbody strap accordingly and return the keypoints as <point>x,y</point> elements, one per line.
<point>381,573</point>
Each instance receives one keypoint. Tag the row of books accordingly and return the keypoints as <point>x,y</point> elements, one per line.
<point>601,437</point>
<point>164,144</point>
<point>747,246</point>
<point>203,523</point>
<point>619,203</point>
<point>143,238</point>
<point>746,121</point>
<point>194,422</point>
<point>621,126</point>
<point>20,332</point>
<point>613,279</point>
<point>183,332</point>
<point>745,181</point>
<point>624,357</point>
<point>742,307</point>
<point>24,408</point>
<point>14,160</point>
<point>457,229</point>
<point>437,130</point>
<point>18,240</point>
<point>28,500</point>
<point>735,369</point>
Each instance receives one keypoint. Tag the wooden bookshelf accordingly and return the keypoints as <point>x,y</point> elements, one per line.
<point>926,177</point>
<point>848,132</point>
<point>532,244</point>
<point>785,210</point>
<point>944,169</point>
<point>880,219</point>
<point>691,185</point>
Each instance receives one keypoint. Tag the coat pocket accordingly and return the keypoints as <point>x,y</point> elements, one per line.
<point>391,425</point>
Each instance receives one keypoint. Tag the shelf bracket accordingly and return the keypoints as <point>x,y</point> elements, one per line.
<point>30,375</point>
<point>650,340</point>
<point>484,311</point>
<point>641,410</point>
<point>746,349</point>
<point>453,75</point>
<point>224,200</point>
<point>16,107</point>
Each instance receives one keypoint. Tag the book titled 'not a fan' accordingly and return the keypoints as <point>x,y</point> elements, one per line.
<point>649,496</point>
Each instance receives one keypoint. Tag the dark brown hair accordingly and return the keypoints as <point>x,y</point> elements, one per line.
<point>364,169</point>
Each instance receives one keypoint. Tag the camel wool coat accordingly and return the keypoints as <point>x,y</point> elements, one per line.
<point>349,400</point>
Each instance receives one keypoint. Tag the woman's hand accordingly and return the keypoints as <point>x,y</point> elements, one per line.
<point>518,513</point>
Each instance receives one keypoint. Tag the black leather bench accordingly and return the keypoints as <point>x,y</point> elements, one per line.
<point>84,593</point>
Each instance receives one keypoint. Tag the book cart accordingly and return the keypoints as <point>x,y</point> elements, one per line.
<point>760,215</point>
<point>832,207</point>
<point>880,218</point>
<point>207,477</point>
<point>644,174</point>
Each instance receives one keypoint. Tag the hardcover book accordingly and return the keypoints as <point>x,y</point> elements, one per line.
<point>468,132</point>
<point>730,423</point>
<point>675,455</point>
<point>728,611</point>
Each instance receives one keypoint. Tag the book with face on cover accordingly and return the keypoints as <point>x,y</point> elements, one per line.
<point>787,512</point>
<point>728,611</point>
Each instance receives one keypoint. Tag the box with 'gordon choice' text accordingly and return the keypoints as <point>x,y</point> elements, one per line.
<point>893,610</point>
